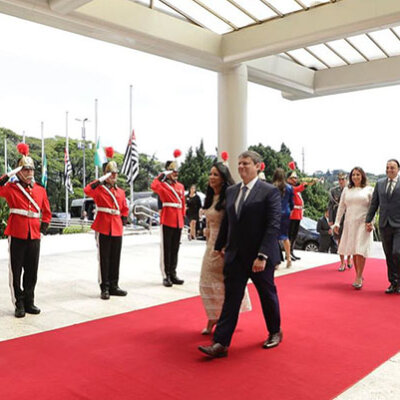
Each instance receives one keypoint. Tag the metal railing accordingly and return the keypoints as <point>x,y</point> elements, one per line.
<point>151,217</point>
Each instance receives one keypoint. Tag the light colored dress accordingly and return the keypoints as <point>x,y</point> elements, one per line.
<point>212,289</point>
<point>355,203</point>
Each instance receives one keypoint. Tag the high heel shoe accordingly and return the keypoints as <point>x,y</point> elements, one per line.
<point>357,286</point>
<point>342,267</point>
<point>208,330</point>
<point>288,264</point>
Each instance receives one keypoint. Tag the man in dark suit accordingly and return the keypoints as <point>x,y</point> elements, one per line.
<point>248,240</point>
<point>386,197</point>
<point>326,241</point>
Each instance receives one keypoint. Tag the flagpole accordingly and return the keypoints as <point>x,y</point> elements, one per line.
<point>130,131</point>
<point>95,135</point>
<point>23,136</point>
<point>67,150</point>
<point>5,155</point>
<point>42,135</point>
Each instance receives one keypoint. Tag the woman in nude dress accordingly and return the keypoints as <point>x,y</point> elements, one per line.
<point>212,289</point>
<point>355,201</point>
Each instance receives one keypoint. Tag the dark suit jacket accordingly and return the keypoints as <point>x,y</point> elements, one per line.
<point>323,229</point>
<point>389,206</point>
<point>257,229</point>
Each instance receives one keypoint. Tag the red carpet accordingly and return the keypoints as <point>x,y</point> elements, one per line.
<point>333,336</point>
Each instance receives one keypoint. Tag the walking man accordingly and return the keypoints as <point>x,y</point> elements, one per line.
<point>386,197</point>
<point>248,240</point>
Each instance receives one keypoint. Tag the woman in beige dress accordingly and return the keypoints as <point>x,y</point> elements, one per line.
<point>355,201</point>
<point>212,289</point>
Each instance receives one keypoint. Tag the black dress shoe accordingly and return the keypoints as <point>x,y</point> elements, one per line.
<point>216,350</point>
<point>295,258</point>
<point>273,340</point>
<point>19,310</point>
<point>167,282</point>
<point>32,309</point>
<point>117,291</point>
<point>105,294</point>
<point>176,281</point>
<point>391,289</point>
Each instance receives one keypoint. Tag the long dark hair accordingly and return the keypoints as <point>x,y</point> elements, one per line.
<point>279,181</point>
<point>226,176</point>
<point>363,177</point>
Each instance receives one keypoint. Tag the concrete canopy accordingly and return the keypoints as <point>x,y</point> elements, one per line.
<point>267,46</point>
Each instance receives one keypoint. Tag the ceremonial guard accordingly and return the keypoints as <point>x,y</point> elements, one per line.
<point>172,196</point>
<point>111,216</point>
<point>30,216</point>
<point>296,214</point>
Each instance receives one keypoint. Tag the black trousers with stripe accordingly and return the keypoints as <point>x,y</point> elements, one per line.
<point>171,242</point>
<point>24,257</point>
<point>110,255</point>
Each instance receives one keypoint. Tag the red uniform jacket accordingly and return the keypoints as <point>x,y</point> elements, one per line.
<point>19,226</point>
<point>297,212</point>
<point>170,216</point>
<point>108,224</point>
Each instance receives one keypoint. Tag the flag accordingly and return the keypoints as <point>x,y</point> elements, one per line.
<point>99,157</point>
<point>68,172</point>
<point>130,166</point>
<point>44,171</point>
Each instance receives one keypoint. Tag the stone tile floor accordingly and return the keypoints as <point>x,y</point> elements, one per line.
<point>67,292</point>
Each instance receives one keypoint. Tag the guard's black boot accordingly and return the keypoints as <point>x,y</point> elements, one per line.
<point>117,291</point>
<point>176,281</point>
<point>30,308</point>
<point>167,281</point>
<point>105,294</point>
<point>19,309</point>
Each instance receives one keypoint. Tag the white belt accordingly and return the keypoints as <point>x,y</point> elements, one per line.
<point>298,207</point>
<point>25,213</point>
<point>173,205</point>
<point>111,211</point>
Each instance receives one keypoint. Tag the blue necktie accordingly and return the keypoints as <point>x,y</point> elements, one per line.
<point>241,200</point>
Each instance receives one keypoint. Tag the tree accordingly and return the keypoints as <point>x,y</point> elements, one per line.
<point>195,168</point>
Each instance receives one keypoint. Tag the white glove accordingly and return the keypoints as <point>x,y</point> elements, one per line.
<point>166,173</point>
<point>14,172</point>
<point>105,177</point>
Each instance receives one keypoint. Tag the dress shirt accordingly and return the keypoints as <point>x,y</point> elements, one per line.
<point>393,185</point>
<point>249,187</point>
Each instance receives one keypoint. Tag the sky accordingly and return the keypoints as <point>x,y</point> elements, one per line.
<point>45,72</point>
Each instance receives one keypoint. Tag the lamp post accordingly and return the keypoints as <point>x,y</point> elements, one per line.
<point>83,148</point>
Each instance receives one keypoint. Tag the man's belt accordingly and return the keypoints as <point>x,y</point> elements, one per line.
<point>25,213</point>
<point>173,205</point>
<point>298,207</point>
<point>111,211</point>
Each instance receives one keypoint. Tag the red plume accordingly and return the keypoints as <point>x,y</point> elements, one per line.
<point>262,166</point>
<point>225,155</point>
<point>292,165</point>
<point>23,149</point>
<point>177,153</point>
<point>109,152</point>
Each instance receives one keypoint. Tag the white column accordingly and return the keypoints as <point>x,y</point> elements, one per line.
<point>232,114</point>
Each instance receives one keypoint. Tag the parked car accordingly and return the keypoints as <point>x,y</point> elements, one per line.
<point>308,237</point>
<point>79,206</point>
<point>57,218</point>
<point>148,200</point>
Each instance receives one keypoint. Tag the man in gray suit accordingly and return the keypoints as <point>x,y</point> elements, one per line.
<point>386,197</point>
